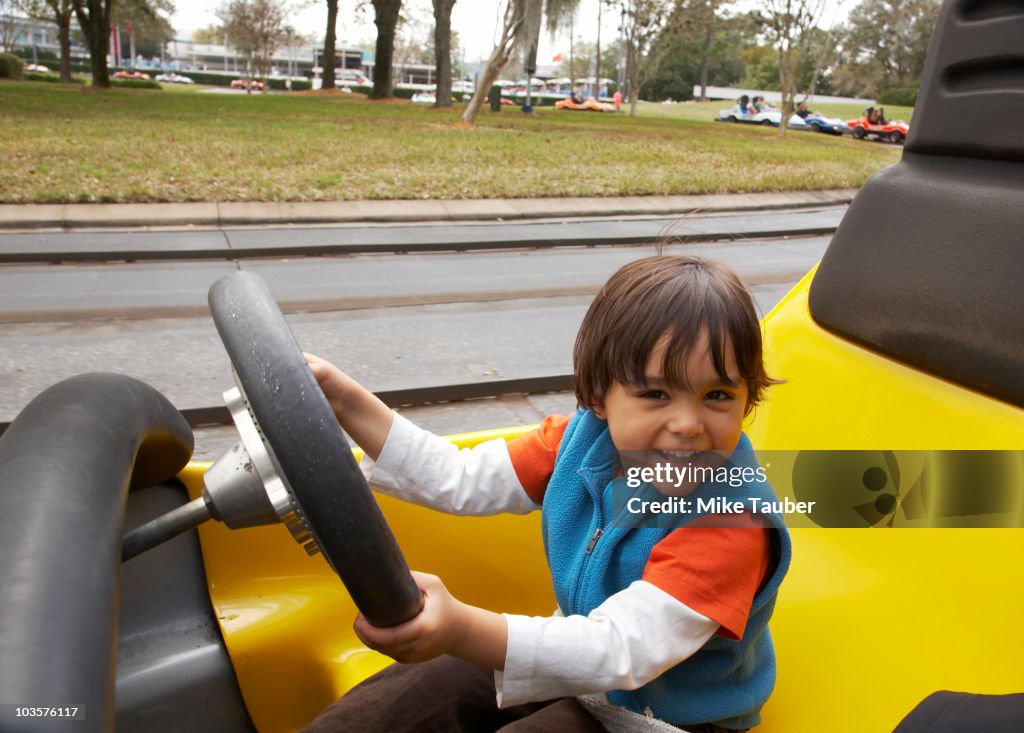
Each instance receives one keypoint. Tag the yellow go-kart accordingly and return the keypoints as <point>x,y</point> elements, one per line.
<point>901,415</point>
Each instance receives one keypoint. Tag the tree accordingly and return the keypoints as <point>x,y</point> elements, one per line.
<point>9,29</point>
<point>254,28</point>
<point>788,24</point>
<point>443,51</point>
<point>813,70</point>
<point>94,22</point>
<point>520,30</point>
<point>147,28</point>
<point>683,66</point>
<point>386,14</point>
<point>511,32</point>
<point>210,35</point>
<point>59,13</point>
<point>330,41</point>
<point>885,44</point>
<point>581,62</point>
<point>760,68</point>
<point>708,14</point>
<point>648,27</point>
<point>814,75</point>
<point>414,38</point>
<point>560,14</point>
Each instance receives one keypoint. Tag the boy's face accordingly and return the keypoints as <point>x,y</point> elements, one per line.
<point>661,417</point>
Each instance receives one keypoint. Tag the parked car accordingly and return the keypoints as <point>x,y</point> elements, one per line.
<point>37,68</point>
<point>423,98</point>
<point>351,77</point>
<point>585,105</point>
<point>173,78</point>
<point>130,75</point>
<point>254,84</point>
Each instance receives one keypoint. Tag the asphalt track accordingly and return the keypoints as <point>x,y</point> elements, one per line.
<point>397,322</point>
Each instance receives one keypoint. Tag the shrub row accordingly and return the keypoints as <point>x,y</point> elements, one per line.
<point>135,84</point>
<point>410,93</point>
<point>43,76</point>
<point>900,96</point>
<point>204,77</point>
<point>298,85</point>
<point>41,55</point>
<point>405,93</point>
<point>11,67</point>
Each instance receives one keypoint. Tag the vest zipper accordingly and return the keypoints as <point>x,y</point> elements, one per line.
<point>595,497</point>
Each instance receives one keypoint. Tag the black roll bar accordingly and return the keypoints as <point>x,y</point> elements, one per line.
<point>66,465</point>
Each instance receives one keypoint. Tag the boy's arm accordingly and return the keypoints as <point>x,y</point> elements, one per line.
<point>627,641</point>
<point>698,582</point>
<point>418,466</point>
<point>415,465</point>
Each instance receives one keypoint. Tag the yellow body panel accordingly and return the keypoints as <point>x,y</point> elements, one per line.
<point>840,396</point>
<point>868,622</point>
<point>287,620</point>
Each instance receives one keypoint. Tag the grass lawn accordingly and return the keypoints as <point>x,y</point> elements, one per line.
<point>69,144</point>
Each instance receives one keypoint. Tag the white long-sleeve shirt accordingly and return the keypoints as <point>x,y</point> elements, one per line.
<point>627,641</point>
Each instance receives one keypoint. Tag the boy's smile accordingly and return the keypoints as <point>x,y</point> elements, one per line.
<point>705,414</point>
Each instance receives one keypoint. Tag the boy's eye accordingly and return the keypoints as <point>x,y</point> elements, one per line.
<point>718,396</point>
<point>654,394</point>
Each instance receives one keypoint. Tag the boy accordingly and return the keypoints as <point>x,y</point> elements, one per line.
<point>666,622</point>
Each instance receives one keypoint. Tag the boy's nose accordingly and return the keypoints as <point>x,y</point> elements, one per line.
<point>685,421</point>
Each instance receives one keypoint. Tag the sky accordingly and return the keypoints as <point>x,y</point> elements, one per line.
<point>476,22</point>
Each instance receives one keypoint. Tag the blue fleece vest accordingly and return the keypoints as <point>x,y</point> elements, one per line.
<point>593,555</point>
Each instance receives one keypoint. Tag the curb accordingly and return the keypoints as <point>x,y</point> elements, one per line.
<point>39,246</point>
<point>211,214</point>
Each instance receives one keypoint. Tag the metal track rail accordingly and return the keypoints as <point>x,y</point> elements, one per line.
<point>266,242</point>
<point>219,415</point>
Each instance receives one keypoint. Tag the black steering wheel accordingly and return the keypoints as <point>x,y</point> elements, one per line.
<point>329,496</point>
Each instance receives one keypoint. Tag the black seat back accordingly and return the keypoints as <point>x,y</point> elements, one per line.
<point>927,266</point>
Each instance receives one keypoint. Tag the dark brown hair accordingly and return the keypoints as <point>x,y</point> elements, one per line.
<point>679,296</point>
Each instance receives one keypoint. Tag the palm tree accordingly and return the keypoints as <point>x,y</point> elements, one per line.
<point>520,31</point>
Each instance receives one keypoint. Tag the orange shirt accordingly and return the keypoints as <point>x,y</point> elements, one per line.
<point>715,571</point>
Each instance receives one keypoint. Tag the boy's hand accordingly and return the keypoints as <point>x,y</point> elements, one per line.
<point>433,632</point>
<point>361,414</point>
<point>444,626</point>
<point>334,382</point>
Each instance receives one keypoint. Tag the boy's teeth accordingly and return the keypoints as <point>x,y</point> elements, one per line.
<point>680,453</point>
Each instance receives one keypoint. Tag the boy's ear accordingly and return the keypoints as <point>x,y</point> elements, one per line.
<point>598,410</point>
